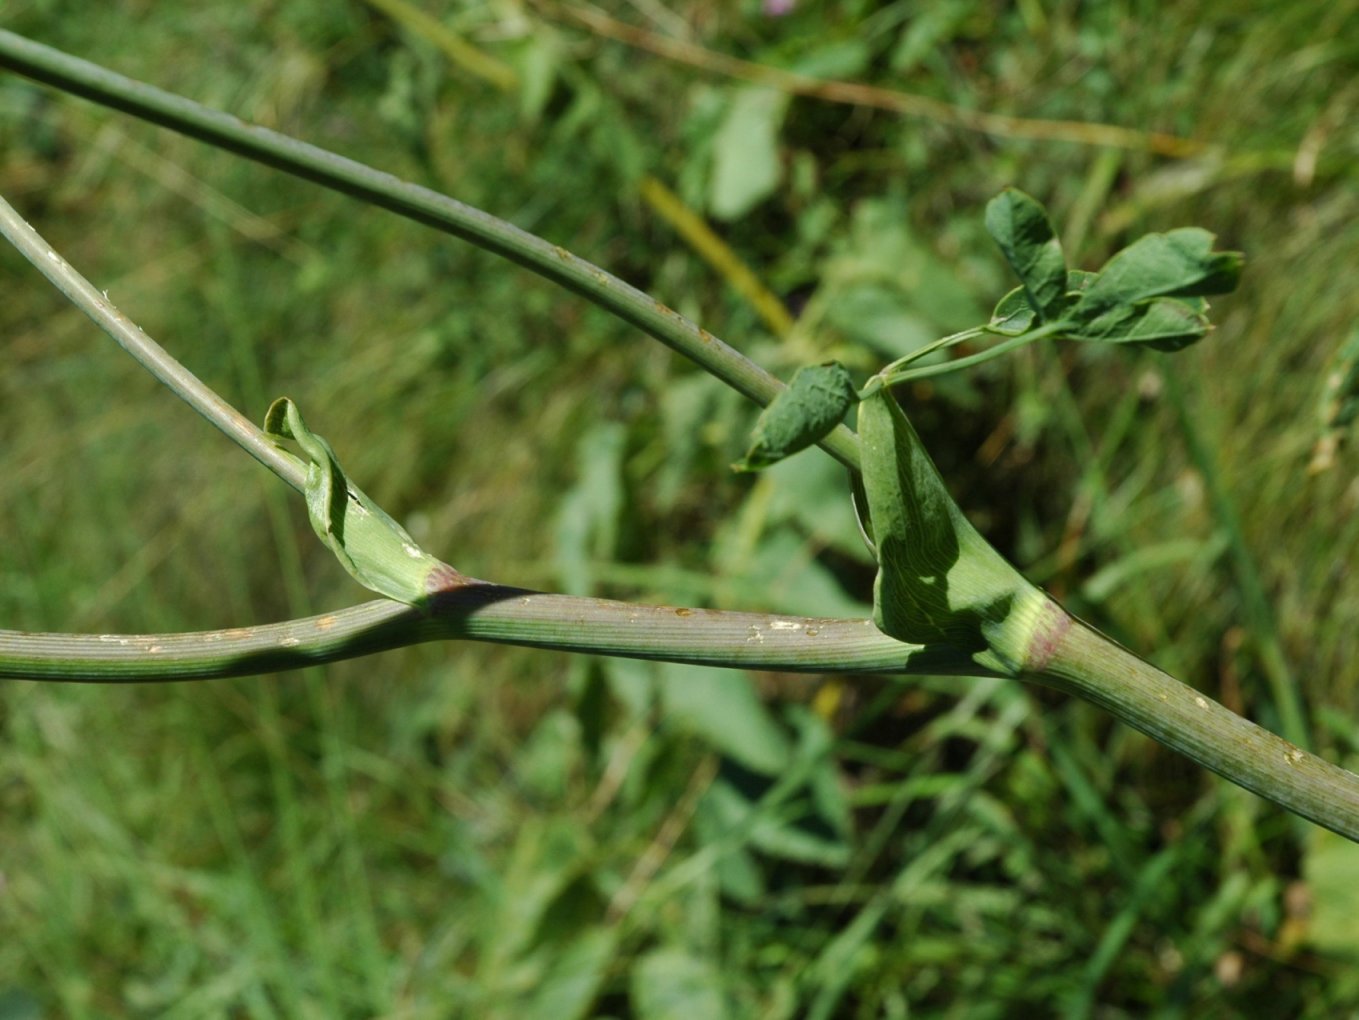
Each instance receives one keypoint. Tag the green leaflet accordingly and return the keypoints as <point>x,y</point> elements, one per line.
<point>938,579</point>
<point>1168,324</point>
<point>1022,230</point>
<point>1013,314</point>
<point>813,404</point>
<point>1180,263</point>
<point>377,552</point>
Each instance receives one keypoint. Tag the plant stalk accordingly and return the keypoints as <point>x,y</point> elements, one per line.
<point>153,357</point>
<point>71,74</point>
<point>1091,666</point>
<point>480,611</point>
<point>1072,657</point>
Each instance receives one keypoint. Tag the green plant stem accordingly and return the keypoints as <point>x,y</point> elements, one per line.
<point>423,205</point>
<point>150,354</point>
<point>481,612</point>
<point>1091,666</point>
<point>1011,344</point>
<point>952,340</point>
<point>1073,658</point>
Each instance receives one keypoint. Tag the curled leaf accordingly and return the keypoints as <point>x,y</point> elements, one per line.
<point>1014,315</point>
<point>375,550</point>
<point>812,405</point>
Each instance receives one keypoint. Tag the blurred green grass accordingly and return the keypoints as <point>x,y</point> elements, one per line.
<point>471,830</point>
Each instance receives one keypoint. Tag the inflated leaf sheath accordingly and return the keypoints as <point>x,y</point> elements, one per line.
<point>377,552</point>
<point>938,579</point>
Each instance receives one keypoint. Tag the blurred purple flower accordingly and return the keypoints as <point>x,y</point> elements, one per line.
<point>778,8</point>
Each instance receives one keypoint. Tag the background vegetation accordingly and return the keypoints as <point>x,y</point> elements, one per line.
<point>480,831</point>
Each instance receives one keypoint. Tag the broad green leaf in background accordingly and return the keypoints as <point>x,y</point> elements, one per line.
<point>722,708</point>
<point>879,315</point>
<point>1020,227</point>
<point>573,981</point>
<point>813,404</point>
<point>587,523</point>
<point>1331,867</point>
<point>672,984</point>
<point>834,58</point>
<point>737,871</point>
<point>926,34</point>
<point>18,1004</point>
<point>546,760</point>
<point>938,579</point>
<point>632,682</point>
<point>785,568</point>
<point>890,288</point>
<point>809,492</point>
<point>548,856</point>
<point>799,814</point>
<point>538,59</point>
<point>746,165</point>
<point>377,552</point>
<point>802,837</point>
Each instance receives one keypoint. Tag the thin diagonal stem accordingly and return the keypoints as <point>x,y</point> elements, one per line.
<point>152,356</point>
<point>1089,665</point>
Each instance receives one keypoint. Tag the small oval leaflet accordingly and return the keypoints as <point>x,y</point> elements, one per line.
<point>1021,229</point>
<point>813,404</point>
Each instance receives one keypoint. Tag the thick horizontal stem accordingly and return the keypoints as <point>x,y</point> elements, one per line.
<point>480,612</point>
<point>1093,667</point>
<point>412,201</point>
<point>1083,663</point>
